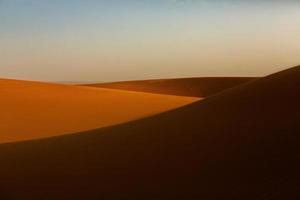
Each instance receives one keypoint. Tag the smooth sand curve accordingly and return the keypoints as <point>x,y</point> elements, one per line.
<point>197,87</point>
<point>31,110</point>
<point>240,144</point>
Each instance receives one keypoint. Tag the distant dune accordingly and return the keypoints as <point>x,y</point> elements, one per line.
<point>197,87</point>
<point>31,110</point>
<point>243,144</point>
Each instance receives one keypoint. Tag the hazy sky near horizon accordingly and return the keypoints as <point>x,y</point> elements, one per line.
<point>110,40</point>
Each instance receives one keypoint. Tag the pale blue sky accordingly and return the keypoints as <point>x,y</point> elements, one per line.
<point>97,40</point>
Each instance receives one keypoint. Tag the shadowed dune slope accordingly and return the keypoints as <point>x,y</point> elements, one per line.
<point>198,87</point>
<point>241,144</point>
<point>31,110</point>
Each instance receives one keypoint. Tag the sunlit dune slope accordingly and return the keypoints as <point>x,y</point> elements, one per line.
<point>33,110</point>
<point>198,87</point>
<point>241,144</point>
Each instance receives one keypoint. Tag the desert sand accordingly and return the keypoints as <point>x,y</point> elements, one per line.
<point>242,143</point>
<point>197,87</point>
<point>31,110</point>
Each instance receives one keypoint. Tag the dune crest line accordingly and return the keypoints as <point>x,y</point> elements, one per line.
<point>242,143</point>
<point>32,110</point>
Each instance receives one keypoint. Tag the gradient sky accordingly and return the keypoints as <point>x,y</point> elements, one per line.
<point>110,40</point>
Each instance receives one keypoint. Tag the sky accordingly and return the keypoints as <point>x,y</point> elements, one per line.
<point>114,40</point>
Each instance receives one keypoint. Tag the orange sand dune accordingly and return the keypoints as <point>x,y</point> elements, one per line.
<point>197,87</point>
<point>243,143</point>
<point>31,110</point>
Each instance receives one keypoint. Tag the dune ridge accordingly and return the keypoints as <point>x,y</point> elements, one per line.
<point>240,144</point>
<point>196,87</point>
<point>31,110</point>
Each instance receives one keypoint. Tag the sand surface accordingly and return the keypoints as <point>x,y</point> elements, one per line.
<point>197,87</point>
<point>31,110</point>
<point>243,143</point>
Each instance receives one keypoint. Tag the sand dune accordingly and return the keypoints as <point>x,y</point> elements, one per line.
<point>32,110</point>
<point>240,144</point>
<point>197,87</point>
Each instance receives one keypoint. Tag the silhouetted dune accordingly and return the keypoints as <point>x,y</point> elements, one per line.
<point>197,87</point>
<point>243,143</point>
<point>31,110</point>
